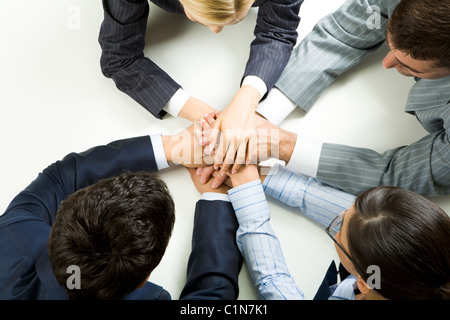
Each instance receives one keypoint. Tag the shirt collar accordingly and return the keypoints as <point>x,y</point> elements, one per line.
<point>427,94</point>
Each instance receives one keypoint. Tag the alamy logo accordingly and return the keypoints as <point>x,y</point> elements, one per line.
<point>374,20</point>
<point>74,280</point>
<point>374,280</point>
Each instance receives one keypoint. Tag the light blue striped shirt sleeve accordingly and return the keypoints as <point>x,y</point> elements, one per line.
<point>259,245</point>
<point>255,237</point>
<point>315,199</point>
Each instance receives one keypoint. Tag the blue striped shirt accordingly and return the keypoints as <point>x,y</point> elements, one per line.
<point>255,237</point>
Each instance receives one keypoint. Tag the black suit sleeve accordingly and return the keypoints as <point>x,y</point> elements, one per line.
<point>275,37</point>
<point>78,170</point>
<point>122,39</point>
<point>215,260</point>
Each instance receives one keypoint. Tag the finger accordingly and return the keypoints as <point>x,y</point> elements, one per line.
<point>229,159</point>
<point>218,180</point>
<point>252,152</point>
<point>206,174</point>
<point>224,178</point>
<point>208,155</point>
<point>199,135</point>
<point>198,131</point>
<point>220,151</point>
<point>209,119</point>
<point>240,156</point>
<point>214,137</point>
<point>207,127</point>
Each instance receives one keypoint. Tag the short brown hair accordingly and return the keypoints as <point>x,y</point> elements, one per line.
<point>116,231</point>
<point>422,30</point>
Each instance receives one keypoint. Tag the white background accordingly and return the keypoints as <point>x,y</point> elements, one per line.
<point>55,100</point>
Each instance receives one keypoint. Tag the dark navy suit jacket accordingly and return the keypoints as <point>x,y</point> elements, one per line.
<point>122,39</point>
<point>25,270</point>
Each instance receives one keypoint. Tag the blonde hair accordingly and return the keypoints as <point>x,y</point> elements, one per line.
<point>217,12</point>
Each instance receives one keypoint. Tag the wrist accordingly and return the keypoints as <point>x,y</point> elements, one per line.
<point>250,95</point>
<point>287,144</point>
<point>167,146</point>
<point>194,109</point>
<point>245,175</point>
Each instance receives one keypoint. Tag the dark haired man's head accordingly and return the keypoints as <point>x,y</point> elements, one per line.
<point>116,231</point>
<point>418,33</point>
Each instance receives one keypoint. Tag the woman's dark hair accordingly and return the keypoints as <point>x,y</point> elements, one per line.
<point>422,30</point>
<point>116,231</point>
<point>408,237</point>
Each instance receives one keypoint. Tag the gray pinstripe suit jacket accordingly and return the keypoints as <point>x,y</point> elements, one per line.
<point>122,39</point>
<point>338,42</point>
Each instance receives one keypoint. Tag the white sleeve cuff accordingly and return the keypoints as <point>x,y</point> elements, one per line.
<point>212,196</point>
<point>305,157</point>
<point>257,83</point>
<point>158,151</point>
<point>176,103</point>
<point>276,107</point>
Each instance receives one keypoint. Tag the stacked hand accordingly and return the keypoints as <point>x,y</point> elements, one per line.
<point>271,142</point>
<point>228,140</point>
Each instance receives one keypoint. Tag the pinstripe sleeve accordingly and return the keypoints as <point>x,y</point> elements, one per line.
<point>260,246</point>
<point>275,37</point>
<point>422,167</point>
<point>122,39</point>
<point>338,42</point>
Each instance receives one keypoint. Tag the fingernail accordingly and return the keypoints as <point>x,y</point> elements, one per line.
<point>198,171</point>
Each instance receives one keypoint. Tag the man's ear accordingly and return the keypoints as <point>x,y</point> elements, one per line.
<point>366,292</point>
<point>362,285</point>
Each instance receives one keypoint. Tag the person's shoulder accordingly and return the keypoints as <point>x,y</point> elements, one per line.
<point>150,291</point>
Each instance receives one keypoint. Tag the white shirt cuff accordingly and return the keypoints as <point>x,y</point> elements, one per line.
<point>257,83</point>
<point>276,107</point>
<point>305,157</point>
<point>212,196</point>
<point>158,151</point>
<point>176,103</point>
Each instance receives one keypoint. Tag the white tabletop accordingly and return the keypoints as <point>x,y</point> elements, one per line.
<point>54,100</point>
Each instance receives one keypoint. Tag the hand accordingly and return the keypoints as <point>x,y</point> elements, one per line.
<point>204,133</point>
<point>183,148</point>
<point>271,141</point>
<point>245,175</point>
<point>208,174</point>
<point>206,187</point>
<point>194,109</point>
<point>236,144</point>
<point>215,180</point>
